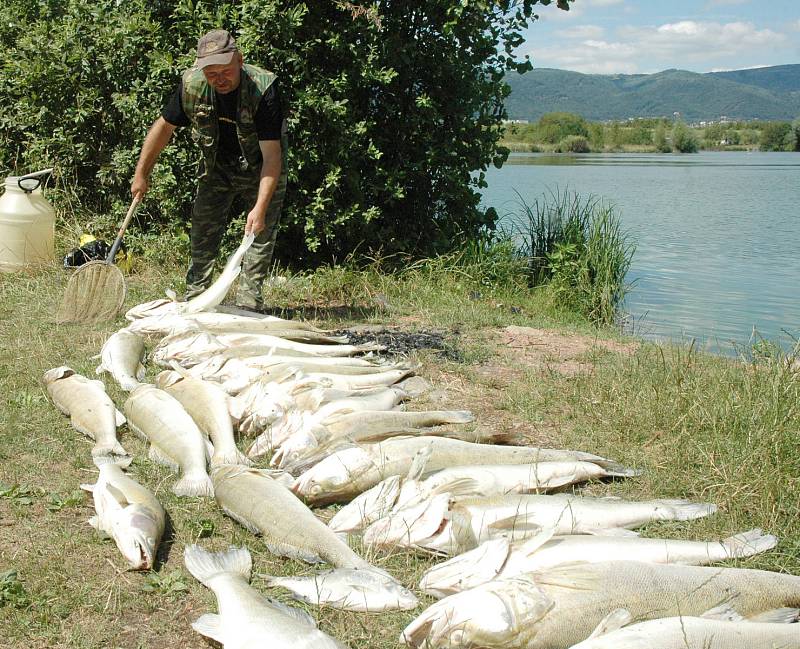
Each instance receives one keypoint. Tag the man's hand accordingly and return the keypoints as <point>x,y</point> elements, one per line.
<point>139,186</point>
<point>255,222</point>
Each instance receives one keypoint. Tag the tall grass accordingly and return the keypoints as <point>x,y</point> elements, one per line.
<point>576,246</point>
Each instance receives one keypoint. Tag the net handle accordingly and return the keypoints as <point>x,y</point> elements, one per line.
<point>131,211</point>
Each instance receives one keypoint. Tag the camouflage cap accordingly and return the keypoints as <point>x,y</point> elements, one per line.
<point>217,47</point>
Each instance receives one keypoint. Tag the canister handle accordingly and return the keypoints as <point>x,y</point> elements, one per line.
<point>38,176</point>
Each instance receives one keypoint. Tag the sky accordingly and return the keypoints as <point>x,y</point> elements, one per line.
<point>645,36</point>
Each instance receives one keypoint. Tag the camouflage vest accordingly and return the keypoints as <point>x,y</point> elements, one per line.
<point>200,108</point>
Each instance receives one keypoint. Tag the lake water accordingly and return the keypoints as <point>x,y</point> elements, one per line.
<point>717,236</point>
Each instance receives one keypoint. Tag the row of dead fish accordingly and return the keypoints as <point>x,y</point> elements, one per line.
<point>526,569</point>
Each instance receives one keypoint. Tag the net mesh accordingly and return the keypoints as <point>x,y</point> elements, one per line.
<point>95,293</point>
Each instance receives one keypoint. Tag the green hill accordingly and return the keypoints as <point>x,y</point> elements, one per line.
<point>762,93</point>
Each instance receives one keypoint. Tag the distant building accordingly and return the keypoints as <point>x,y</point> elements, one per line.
<point>516,121</point>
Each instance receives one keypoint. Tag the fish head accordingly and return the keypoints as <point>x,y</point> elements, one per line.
<point>410,525</point>
<point>137,531</point>
<point>341,475</point>
<point>368,506</point>
<point>51,376</point>
<point>299,445</point>
<point>467,570</point>
<point>500,613</point>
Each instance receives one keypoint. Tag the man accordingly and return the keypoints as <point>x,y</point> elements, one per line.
<point>235,114</point>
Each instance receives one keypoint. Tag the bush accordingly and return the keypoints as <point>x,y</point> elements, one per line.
<point>577,248</point>
<point>554,127</point>
<point>660,139</point>
<point>683,139</point>
<point>394,116</point>
<point>573,144</point>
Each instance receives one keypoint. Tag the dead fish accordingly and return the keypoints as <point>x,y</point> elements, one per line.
<point>89,408</point>
<point>122,356</point>
<point>247,619</point>
<point>497,480</point>
<point>350,590</point>
<point>252,498</point>
<point>470,521</point>
<point>501,558</point>
<point>719,627</point>
<point>215,293</point>
<point>175,440</point>
<point>348,472</point>
<point>208,405</point>
<point>154,308</point>
<point>127,512</point>
<point>560,607</point>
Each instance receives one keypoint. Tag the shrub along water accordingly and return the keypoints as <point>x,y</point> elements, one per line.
<point>576,247</point>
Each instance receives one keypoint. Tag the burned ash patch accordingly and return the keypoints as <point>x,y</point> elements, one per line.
<point>401,343</point>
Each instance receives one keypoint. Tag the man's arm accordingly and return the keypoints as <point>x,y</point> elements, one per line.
<point>270,172</point>
<point>157,138</point>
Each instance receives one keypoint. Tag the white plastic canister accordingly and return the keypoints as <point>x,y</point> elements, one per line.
<point>27,223</point>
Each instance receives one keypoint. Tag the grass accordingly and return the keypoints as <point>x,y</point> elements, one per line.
<point>701,427</point>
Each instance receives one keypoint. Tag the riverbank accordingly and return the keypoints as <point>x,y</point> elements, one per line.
<point>699,426</point>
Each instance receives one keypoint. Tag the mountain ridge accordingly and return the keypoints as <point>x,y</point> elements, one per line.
<point>769,93</point>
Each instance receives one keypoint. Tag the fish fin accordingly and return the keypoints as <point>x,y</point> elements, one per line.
<point>198,485</point>
<point>530,545</point>
<point>242,521</point>
<point>777,616</point>
<point>94,521</point>
<point>461,523</point>
<point>159,457</point>
<point>100,368</point>
<point>522,520</point>
<point>210,625</point>
<point>87,487</point>
<point>458,487</point>
<point>615,620</point>
<point>171,294</point>
<point>177,367</point>
<point>205,565</point>
<point>419,462</point>
<point>749,543</point>
<point>569,576</point>
<point>122,461</point>
<point>140,372</point>
<point>614,531</point>
<point>296,613</point>
<point>120,497</point>
<point>723,612</point>
<point>119,418</point>
<point>293,552</point>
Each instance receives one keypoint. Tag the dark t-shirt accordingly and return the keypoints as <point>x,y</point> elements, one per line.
<point>268,118</point>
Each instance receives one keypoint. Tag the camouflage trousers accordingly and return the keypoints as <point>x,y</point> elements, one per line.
<point>211,213</point>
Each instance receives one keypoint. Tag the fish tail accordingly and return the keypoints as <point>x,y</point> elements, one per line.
<point>109,448</point>
<point>122,460</point>
<point>748,544</point>
<point>205,565</point>
<point>683,510</point>
<point>617,470</point>
<point>234,456</point>
<point>198,484</point>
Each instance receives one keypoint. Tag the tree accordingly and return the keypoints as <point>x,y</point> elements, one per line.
<point>395,108</point>
<point>774,136</point>
<point>793,136</point>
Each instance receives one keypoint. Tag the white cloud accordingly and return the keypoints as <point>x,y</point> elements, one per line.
<point>726,3</point>
<point>582,32</point>
<point>685,44</point>
<point>796,25</point>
